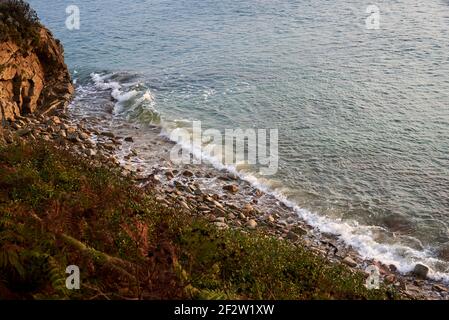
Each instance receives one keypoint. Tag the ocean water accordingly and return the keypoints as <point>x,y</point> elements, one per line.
<point>363,115</point>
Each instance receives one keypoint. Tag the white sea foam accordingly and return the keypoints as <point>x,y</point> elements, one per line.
<point>359,237</point>
<point>120,94</point>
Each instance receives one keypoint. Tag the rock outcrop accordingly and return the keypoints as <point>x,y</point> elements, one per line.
<point>33,79</point>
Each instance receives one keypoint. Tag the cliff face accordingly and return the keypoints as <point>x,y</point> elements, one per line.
<point>35,79</point>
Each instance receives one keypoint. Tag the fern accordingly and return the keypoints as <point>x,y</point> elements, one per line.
<point>10,259</point>
<point>57,278</point>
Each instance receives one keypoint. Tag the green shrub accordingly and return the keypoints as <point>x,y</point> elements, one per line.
<point>18,23</point>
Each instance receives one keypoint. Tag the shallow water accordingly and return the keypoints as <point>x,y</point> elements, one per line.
<point>363,115</point>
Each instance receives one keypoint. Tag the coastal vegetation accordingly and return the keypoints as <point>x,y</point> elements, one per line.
<point>57,210</point>
<point>18,22</point>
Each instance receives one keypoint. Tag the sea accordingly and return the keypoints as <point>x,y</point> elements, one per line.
<point>361,109</point>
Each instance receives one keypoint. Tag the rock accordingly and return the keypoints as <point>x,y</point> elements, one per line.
<point>129,139</point>
<point>107,146</point>
<point>84,136</point>
<point>52,121</point>
<point>242,216</point>
<point>197,192</point>
<point>231,188</point>
<point>218,205</point>
<point>221,225</point>
<point>220,219</point>
<point>107,134</point>
<point>185,205</point>
<point>203,208</point>
<point>440,288</point>
<point>292,236</point>
<point>251,224</point>
<point>9,138</point>
<point>391,278</point>
<point>350,262</point>
<point>270,218</point>
<point>16,126</point>
<point>169,175</point>
<point>301,231</point>
<point>62,134</point>
<point>23,132</point>
<point>393,268</point>
<point>421,271</point>
<point>72,136</point>
<point>187,173</point>
<point>231,216</point>
<point>282,223</point>
<point>33,78</point>
<point>90,152</point>
<point>248,208</point>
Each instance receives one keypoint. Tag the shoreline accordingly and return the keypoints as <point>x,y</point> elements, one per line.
<point>231,203</point>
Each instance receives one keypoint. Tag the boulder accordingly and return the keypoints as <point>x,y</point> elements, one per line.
<point>231,188</point>
<point>421,271</point>
<point>251,224</point>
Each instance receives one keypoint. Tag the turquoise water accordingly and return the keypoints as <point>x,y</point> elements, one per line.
<point>363,115</point>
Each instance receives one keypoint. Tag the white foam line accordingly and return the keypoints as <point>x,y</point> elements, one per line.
<point>350,232</point>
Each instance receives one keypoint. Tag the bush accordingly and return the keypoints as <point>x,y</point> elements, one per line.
<point>57,210</point>
<point>18,23</point>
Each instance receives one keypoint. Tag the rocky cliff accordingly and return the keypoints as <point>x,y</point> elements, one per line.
<point>33,77</point>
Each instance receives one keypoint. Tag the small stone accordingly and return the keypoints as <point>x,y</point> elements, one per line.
<point>23,132</point>
<point>301,231</point>
<point>421,271</point>
<point>107,146</point>
<point>54,120</point>
<point>251,224</point>
<point>90,152</point>
<point>129,139</point>
<point>231,216</point>
<point>231,188</point>
<point>218,205</point>
<point>350,262</point>
<point>16,126</point>
<point>72,136</point>
<point>220,219</point>
<point>62,134</point>
<point>440,288</point>
<point>183,204</point>
<point>221,225</point>
<point>248,208</point>
<point>107,134</point>
<point>169,175</point>
<point>128,167</point>
<point>391,278</point>
<point>187,173</point>
<point>393,268</point>
<point>270,218</point>
<point>84,136</point>
<point>292,236</point>
<point>242,216</point>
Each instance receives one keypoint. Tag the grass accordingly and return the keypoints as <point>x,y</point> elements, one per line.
<point>56,210</point>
